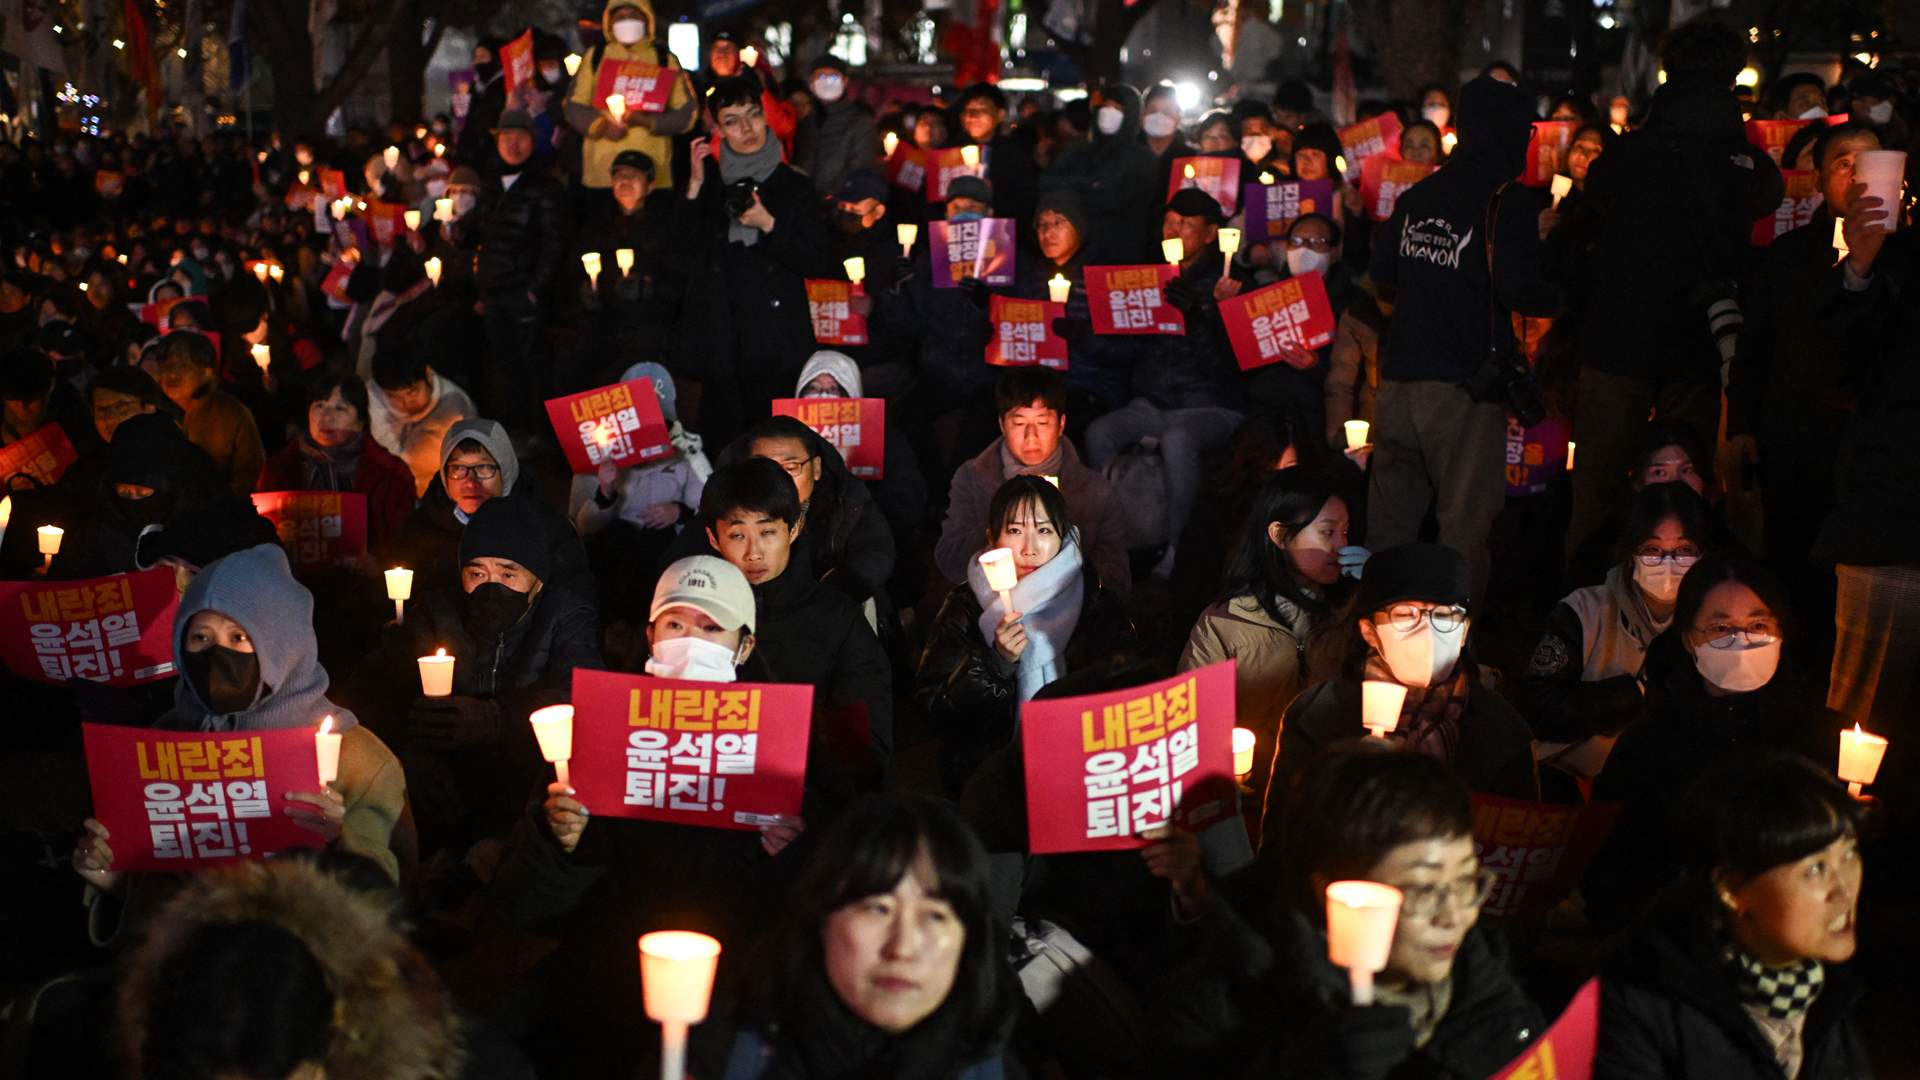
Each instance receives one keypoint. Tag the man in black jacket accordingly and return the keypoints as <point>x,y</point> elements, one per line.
<point>1435,445</point>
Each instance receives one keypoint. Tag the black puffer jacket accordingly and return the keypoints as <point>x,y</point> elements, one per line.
<point>428,541</point>
<point>1114,177</point>
<point>809,633</point>
<point>852,546</point>
<point>519,234</point>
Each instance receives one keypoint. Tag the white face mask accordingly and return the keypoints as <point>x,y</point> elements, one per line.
<point>550,72</point>
<point>1740,669</point>
<point>1814,113</point>
<point>629,31</point>
<point>1158,125</point>
<point>1109,119</point>
<point>1423,657</point>
<point>1256,147</point>
<point>691,658</point>
<point>1308,261</point>
<point>463,204</point>
<point>1881,113</point>
<point>436,188</point>
<point>1437,115</point>
<point>829,88</point>
<point>1660,582</point>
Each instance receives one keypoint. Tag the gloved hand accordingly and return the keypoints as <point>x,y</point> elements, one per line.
<point>1370,1041</point>
<point>1182,295</point>
<point>1353,559</point>
<point>1073,330</point>
<point>450,723</point>
<point>977,292</point>
<point>902,273</point>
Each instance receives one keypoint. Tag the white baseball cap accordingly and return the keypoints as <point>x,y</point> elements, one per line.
<point>712,586</point>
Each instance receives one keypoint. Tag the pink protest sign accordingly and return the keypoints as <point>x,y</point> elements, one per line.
<point>318,528</point>
<point>1023,334</point>
<point>1132,300</point>
<point>116,630</point>
<point>830,303</point>
<point>1292,313</point>
<point>857,427</point>
<point>982,250</point>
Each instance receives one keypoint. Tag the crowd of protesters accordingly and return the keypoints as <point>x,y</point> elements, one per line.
<point>1679,619</point>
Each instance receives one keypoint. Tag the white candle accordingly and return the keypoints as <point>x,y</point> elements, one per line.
<point>1357,433</point>
<point>553,728</point>
<point>856,269</point>
<point>1059,288</point>
<point>326,747</point>
<point>1562,186</point>
<point>1860,754</point>
<point>436,674</point>
<point>443,209</point>
<point>412,218</point>
<point>676,985</point>
<point>1052,478</point>
<point>997,564</point>
<point>259,271</point>
<point>1361,916</point>
<point>433,269</point>
<point>971,156</point>
<point>1569,455</point>
<point>572,63</point>
<point>275,272</point>
<point>623,258</point>
<point>1448,141</point>
<point>1266,178</point>
<point>617,106</point>
<point>906,233</point>
<point>889,142</point>
<point>1243,740</point>
<point>1840,236</point>
<point>750,56</point>
<point>1189,171</point>
<point>340,209</point>
<point>1174,249</point>
<point>392,156</point>
<point>1340,164</point>
<point>6,515</point>
<point>50,543</point>
<point>262,355</point>
<point>399,590</point>
<point>1229,242</point>
<point>1380,703</point>
<point>591,260</point>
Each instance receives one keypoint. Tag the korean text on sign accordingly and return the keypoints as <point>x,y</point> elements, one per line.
<point>830,303</point>
<point>1132,300</point>
<point>318,528</point>
<point>1272,208</point>
<point>43,456</point>
<point>1535,851</point>
<point>1103,768</point>
<point>1801,199</point>
<point>620,424</point>
<point>646,87</point>
<point>1217,176</point>
<point>1023,334</point>
<point>724,755</point>
<point>1369,138</point>
<point>971,249</point>
<point>857,427</point>
<point>175,800</point>
<point>1291,314</point>
<point>115,630</point>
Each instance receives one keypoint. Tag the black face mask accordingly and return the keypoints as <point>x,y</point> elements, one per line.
<point>492,608</point>
<point>226,680</point>
<point>155,509</point>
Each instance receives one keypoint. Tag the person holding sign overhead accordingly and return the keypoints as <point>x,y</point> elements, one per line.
<point>629,27</point>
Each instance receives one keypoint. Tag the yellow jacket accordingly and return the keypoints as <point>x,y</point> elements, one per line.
<point>650,133</point>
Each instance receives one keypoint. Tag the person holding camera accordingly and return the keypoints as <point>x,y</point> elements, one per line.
<point>753,235</point>
<point>1461,251</point>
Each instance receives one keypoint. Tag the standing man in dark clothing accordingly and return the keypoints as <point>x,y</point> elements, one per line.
<point>837,135</point>
<point>1112,175</point>
<point>630,312</point>
<point>1010,168</point>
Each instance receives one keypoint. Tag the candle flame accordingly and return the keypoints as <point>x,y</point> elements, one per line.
<point>441,652</point>
<point>326,726</point>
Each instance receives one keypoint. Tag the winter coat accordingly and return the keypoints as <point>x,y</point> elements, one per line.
<point>1194,369</point>
<point>1114,178</point>
<point>1016,183</point>
<point>633,314</point>
<point>951,335</point>
<point>1346,370</point>
<point>378,475</point>
<point>1669,1010</point>
<point>428,542</point>
<point>1792,378</point>
<point>679,479</point>
<point>901,491</point>
<point>812,633</point>
<point>518,235</point>
<point>1099,366</point>
<point>415,439</point>
<point>834,140</point>
<point>655,138</point>
<point>220,425</point>
<point>1089,500</point>
<point>1583,678</point>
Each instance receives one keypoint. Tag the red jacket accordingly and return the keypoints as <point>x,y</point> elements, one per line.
<point>384,479</point>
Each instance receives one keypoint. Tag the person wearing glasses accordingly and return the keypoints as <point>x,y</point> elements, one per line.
<point>1447,1003</point>
<point>1582,684</point>
<point>1717,682</point>
<point>1410,626</point>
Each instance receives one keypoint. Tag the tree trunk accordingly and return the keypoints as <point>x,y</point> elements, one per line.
<point>1413,42</point>
<point>1100,62</point>
<point>406,67</point>
<point>280,32</point>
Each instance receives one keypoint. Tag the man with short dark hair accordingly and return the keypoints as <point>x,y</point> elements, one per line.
<point>1009,161</point>
<point>410,406</point>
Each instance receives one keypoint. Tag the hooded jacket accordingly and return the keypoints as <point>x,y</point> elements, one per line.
<point>901,491</point>
<point>679,479</point>
<point>1114,177</point>
<point>416,438</point>
<point>832,140</point>
<point>655,138</point>
<point>1099,366</point>
<point>1432,253</point>
<point>1089,500</point>
<point>256,589</point>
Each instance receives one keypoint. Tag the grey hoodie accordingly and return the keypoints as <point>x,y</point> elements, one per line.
<point>490,434</point>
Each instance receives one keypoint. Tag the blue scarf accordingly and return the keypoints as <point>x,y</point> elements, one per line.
<point>1048,601</point>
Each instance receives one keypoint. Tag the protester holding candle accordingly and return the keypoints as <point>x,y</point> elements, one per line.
<point>1008,158</point>
<point>335,454</point>
<point>630,314</point>
<point>1112,175</point>
<point>410,408</point>
<point>1099,366</point>
<point>629,34</point>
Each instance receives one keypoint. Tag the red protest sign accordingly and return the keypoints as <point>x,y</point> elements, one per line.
<point>723,755</point>
<point>646,87</point>
<point>1803,196</point>
<point>1382,179</point>
<point>620,423</point>
<point>944,165</point>
<point>1132,300</point>
<point>1293,313</point>
<point>385,221</point>
<point>1773,135</point>
<point>116,630</point>
<point>830,303</point>
<point>1547,151</point>
<point>318,528</point>
<point>174,800</point>
<point>1536,852</point>
<point>109,184</point>
<point>1374,135</point>
<point>1103,767</point>
<point>1535,455</point>
<point>44,455</point>
<point>1566,1051</point>
<point>516,64</point>
<point>1217,176</point>
<point>333,184</point>
<point>155,314</point>
<point>300,196</point>
<point>334,285</point>
<point>857,427</point>
<point>907,167</point>
<point>1023,334</point>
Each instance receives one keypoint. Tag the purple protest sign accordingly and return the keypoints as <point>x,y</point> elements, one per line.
<point>1272,208</point>
<point>459,97</point>
<point>978,249</point>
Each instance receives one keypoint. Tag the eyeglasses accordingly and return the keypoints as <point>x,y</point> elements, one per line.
<point>793,468</point>
<point>118,410</point>
<point>1467,894</point>
<point>1406,618</point>
<point>1760,632</point>
<point>478,472</point>
<point>1653,556</point>
<point>1317,243</point>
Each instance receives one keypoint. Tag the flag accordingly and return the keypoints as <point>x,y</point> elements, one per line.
<point>140,64</point>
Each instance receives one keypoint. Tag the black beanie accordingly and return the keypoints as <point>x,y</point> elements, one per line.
<point>507,528</point>
<point>198,537</point>
<point>1434,573</point>
<point>1063,202</point>
<point>150,450</point>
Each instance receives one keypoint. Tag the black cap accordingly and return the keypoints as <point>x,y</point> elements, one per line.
<point>970,187</point>
<point>828,62</point>
<point>1434,573</point>
<point>506,527</point>
<point>721,35</point>
<point>515,119</point>
<point>198,537</point>
<point>1192,202</point>
<point>150,450</point>
<point>863,184</point>
<point>634,159</point>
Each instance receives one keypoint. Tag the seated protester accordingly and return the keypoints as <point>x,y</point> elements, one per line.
<point>631,313</point>
<point>1669,453</point>
<point>982,660</point>
<point>335,454</point>
<point>248,663</point>
<point>1283,595</point>
<point>153,476</point>
<point>1099,366</point>
<point>1032,403</point>
<point>477,463</point>
<point>1745,973</point>
<point>1715,683</point>
<point>808,631</point>
<point>1410,626</point>
<point>629,516</point>
<point>1582,685</point>
<point>34,398</point>
<point>901,491</point>
<point>1112,174</point>
<point>851,546</point>
<point>115,396</point>
<point>1448,1002</point>
<point>886,961</point>
<point>216,421</point>
<point>410,408</point>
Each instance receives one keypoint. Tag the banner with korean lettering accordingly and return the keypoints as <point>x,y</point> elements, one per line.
<point>44,455</point>
<point>319,529</point>
<point>1272,208</point>
<point>155,313</point>
<point>1132,300</point>
<point>1383,179</point>
<point>516,67</point>
<point>1023,334</point>
<point>333,184</point>
<point>1773,135</point>
<point>1566,1050</point>
<point>1536,852</point>
<point>1291,313</point>
<point>647,87</point>
<point>1547,151</point>
<point>1535,455</point>
<point>1104,767</point>
<point>830,303</point>
<point>723,755</point>
<point>334,285</point>
<point>116,630</point>
<point>1372,136</point>
<point>907,167</point>
<point>385,221</point>
<point>1802,199</point>
<point>857,427</point>
<point>1217,176</point>
<point>944,165</point>
<point>175,800</point>
<point>620,423</point>
<point>982,250</point>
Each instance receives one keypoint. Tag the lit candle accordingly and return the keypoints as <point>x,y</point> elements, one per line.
<point>412,218</point>
<point>49,543</point>
<point>392,156</point>
<point>1340,164</point>
<point>433,269</point>
<point>617,106</point>
<point>1569,455</point>
<point>326,747</point>
<point>750,56</point>
<point>1356,433</point>
<point>1174,249</point>
<point>676,985</point>
<point>889,142</point>
<point>1562,186</point>
<point>553,728</point>
<point>1001,576</point>
<point>1380,703</point>
<point>856,269</point>
<point>275,272</point>
<point>1860,754</point>
<point>573,64</point>
<point>399,590</point>
<point>1266,178</point>
<point>1190,171</point>
<point>623,258</point>
<point>419,132</point>
<point>1243,740</point>
<point>1059,288</point>
<point>1361,916</point>
<point>443,209</point>
<point>340,209</point>
<point>1052,478</point>
<point>83,286</point>
<point>305,176</point>
<point>906,233</point>
<point>436,674</point>
<point>1229,242</point>
<point>591,260</point>
<point>6,515</point>
<point>1840,236</point>
<point>259,271</point>
<point>439,149</point>
<point>1448,141</point>
<point>262,355</point>
<point>970,156</point>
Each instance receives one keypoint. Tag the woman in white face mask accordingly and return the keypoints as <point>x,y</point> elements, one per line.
<point>1410,628</point>
<point>1582,684</point>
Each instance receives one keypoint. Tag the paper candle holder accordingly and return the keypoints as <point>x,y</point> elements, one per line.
<point>906,232</point>
<point>1360,921</point>
<point>623,258</point>
<point>676,987</point>
<point>262,355</point>
<point>1059,288</point>
<point>1380,703</point>
<point>1860,756</point>
<point>856,269</point>
<point>1561,186</point>
<point>436,674</point>
<point>1174,249</point>
<point>433,270</point>
<point>553,729</point>
<point>49,537</point>
<point>326,748</point>
<point>1243,743</point>
<point>1357,431</point>
<point>1229,242</point>
<point>412,218</point>
<point>399,590</point>
<point>617,106</point>
<point>998,566</point>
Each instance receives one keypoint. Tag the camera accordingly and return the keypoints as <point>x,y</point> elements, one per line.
<point>739,198</point>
